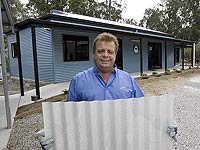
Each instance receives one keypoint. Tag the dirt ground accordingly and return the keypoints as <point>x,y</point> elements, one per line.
<point>151,86</point>
<point>25,127</point>
<point>14,85</point>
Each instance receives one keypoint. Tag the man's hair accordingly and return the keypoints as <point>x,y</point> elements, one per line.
<point>108,38</point>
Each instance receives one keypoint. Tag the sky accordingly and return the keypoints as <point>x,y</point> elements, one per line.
<point>134,9</point>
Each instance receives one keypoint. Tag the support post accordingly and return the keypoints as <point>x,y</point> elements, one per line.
<point>165,55</point>
<point>193,55</point>
<point>35,62</point>
<point>182,55</point>
<point>4,73</point>
<point>141,57</point>
<point>20,64</point>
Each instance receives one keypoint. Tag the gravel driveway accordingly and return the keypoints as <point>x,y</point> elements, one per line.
<point>184,86</point>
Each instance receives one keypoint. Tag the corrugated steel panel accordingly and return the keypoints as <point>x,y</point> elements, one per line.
<point>132,124</point>
<point>27,53</point>
<point>45,54</point>
<point>66,70</point>
<point>13,62</point>
<point>99,20</point>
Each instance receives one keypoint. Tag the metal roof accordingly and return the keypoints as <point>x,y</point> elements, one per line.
<point>6,14</point>
<point>62,19</point>
<point>98,20</point>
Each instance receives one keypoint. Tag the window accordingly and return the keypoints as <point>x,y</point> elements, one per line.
<point>76,48</point>
<point>14,49</point>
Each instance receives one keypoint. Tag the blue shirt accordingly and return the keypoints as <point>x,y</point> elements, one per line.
<point>89,85</point>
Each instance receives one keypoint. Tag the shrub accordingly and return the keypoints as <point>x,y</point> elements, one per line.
<point>154,73</point>
<point>144,76</point>
<point>167,72</point>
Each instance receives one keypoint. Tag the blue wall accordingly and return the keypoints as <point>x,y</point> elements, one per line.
<point>50,54</point>
<point>45,54</point>
<point>27,53</point>
<point>66,70</point>
<point>13,62</point>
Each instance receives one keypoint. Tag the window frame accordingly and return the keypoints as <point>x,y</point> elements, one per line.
<point>14,50</point>
<point>76,39</point>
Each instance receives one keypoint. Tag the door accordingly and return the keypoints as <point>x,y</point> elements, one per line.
<point>154,55</point>
<point>119,58</point>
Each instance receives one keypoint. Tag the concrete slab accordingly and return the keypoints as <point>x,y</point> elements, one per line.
<point>4,132</point>
<point>45,92</point>
<point>17,101</point>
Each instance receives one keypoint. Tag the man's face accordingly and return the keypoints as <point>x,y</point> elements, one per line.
<point>104,56</point>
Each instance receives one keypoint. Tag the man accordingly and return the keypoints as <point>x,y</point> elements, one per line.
<point>103,81</point>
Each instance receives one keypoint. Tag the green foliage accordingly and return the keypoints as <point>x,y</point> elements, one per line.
<point>153,20</point>
<point>179,18</point>
<point>104,10</point>
<point>167,72</point>
<point>144,76</point>
<point>198,53</point>
<point>187,53</point>
<point>129,21</point>
<point>154,73</point>
<point>19,10</point>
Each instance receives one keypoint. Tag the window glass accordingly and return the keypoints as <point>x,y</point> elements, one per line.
<point>76,48</point>
<point>14,49</point>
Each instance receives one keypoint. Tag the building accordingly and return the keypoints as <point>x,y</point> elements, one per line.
<point>57,46</point>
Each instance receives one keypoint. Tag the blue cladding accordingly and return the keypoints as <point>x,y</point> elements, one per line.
<point>66,70</point>
<point>44,54</point>
<point>27,53</point>
<point>51,65</point>
<point>13,62</point>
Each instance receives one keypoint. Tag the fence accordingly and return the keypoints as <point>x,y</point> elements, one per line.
<point>132,124</point>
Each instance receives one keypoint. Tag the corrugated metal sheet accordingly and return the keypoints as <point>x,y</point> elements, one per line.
<point>27,53</point>
<point>82,17</point>
<point>66,70</point>
<point>45,54</point>
<point>13,62</point>
<point>133,124</point>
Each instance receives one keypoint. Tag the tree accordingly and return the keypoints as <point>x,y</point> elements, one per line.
<point>179,18</point>
<point>191,15</point>
<point>129,21</point>
<point>39,8</point>
<point>153,19</point>
<point>83,7</point>
<point>19,11</point>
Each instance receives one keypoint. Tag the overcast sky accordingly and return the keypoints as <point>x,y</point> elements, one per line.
<point>134,9</point>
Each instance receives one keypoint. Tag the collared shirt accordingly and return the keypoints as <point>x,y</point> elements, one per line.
<point>89,85</point>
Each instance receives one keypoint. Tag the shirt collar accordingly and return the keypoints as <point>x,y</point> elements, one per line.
<point>96,71</point>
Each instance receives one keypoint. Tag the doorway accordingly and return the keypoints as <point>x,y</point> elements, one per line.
<point>119,57</point>
<point>154,55</point>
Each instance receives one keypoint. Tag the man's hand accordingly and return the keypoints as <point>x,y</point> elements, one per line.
<point>44,142</point>
<point>172,130</point>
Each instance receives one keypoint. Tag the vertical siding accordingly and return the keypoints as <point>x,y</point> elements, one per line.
<point>66,70</point>
<point>139,124</point>
<point>170,54</point>
<point>131,62</point>
<point>27,53</point>
<point>44,54</point>
<point>50,54</point>
<point>13,62</point>
<point>145,53</point>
